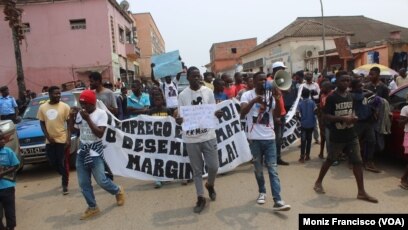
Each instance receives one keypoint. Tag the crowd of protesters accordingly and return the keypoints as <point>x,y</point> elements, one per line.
<point>348,115</point>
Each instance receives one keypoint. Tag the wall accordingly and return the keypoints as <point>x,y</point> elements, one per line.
<point>146,27</point>
<point>52,50</point>
<point>291,51</point>
<point>222,56</point>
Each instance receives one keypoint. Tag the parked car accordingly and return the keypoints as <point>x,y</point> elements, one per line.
<point>31,137</point>
<point>9,130</point>
<point>398,99</point>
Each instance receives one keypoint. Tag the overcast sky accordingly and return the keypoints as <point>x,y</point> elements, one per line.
<point>192,26</point>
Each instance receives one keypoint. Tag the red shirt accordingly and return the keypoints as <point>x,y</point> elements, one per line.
<point>231,91</point>
<point>239,88</point>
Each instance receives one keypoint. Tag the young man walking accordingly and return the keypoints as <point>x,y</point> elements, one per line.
<point>339,113</point>
<point>54,119</point>
<point>92,123</point>
<point>200,142</point>
<point>258,105</point>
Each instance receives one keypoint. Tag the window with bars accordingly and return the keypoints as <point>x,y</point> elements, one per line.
<point>78,24</point>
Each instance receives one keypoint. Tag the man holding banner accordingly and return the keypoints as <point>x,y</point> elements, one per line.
<point>258,105</point>
<point>200,141</point>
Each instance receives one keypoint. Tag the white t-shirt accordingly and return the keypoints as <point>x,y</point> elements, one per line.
<point>313,86</point>
<point>404,112</point>
<point>187,97</point>
<point>170,93</point>
<point>262,129</point>
<point>99,118</point>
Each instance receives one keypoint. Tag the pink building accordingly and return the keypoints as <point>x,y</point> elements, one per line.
<point>66,39</point>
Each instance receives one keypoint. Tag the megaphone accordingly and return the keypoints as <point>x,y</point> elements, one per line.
<point>282,80</point>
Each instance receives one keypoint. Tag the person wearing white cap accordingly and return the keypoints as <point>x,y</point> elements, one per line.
<point>279,122</point>
<point>278,64</point>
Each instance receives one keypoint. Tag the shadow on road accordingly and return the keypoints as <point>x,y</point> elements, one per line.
<point>243,217</point>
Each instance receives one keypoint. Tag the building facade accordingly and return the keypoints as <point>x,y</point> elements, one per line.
<point>292,45</point>
<point>225,56</point>
<point>151,41</point>
<point>65,40</point>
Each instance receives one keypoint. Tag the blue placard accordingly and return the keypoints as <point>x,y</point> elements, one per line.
<point>167,64</point>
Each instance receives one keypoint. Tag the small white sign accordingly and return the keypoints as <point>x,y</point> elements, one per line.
<point>198,116</point>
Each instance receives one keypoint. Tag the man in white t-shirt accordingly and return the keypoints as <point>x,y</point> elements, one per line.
<point>200,142</point>
<point>92,123</point>
<point>257,105</point>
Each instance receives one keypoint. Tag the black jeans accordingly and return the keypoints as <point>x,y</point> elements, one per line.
<point>306,141</point>
<point>56,157</point>
<point>7,199</point>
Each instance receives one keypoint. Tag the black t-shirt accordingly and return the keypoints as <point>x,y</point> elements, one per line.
<point>338,105</point>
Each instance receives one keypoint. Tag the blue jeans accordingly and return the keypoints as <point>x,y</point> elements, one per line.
<point>266,149</point>
<point>85,182</point>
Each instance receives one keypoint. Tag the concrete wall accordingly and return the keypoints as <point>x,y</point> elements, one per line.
<point>150,41</point>
<point>222,56</point>
<point>52,52</point>
<point>291,51</point>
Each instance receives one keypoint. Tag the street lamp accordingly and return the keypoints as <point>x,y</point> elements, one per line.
<point>324,40</point>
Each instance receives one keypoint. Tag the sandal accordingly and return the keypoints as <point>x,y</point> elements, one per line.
<point>367,198</point>
<point>319,189</point>
<point>321,156</point>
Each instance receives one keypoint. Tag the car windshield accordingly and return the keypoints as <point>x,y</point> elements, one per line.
<point>32,108</point>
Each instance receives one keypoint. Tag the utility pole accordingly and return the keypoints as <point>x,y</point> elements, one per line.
<point>324,41</point>
<point>13,16</point>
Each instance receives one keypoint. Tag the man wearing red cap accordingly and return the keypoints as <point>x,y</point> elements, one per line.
<point>92,123</point>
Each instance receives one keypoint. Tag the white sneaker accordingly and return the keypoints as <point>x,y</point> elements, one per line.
<point>261,198</point>
<point>281,206</point>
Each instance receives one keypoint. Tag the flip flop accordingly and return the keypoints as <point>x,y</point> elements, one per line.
<point>319,189</point>
<point>367,198</point>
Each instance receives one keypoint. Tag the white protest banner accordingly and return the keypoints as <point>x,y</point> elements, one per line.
<point>151,148</point>
<point>198,116</point>
<point>291,131</point>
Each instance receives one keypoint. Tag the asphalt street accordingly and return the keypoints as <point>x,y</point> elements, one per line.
<point>41,205</point>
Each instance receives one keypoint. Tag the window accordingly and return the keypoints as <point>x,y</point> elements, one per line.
<point>121,35</point>
<point>234,50</point>
<point>78,24</point>
<point>26,28</point>
<point>128,36</point>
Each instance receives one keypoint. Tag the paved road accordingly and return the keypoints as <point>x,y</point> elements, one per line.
<point>40,204</point>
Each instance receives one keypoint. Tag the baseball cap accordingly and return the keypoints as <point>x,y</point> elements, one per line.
<point>278,64</point>
<point>88,96</point>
